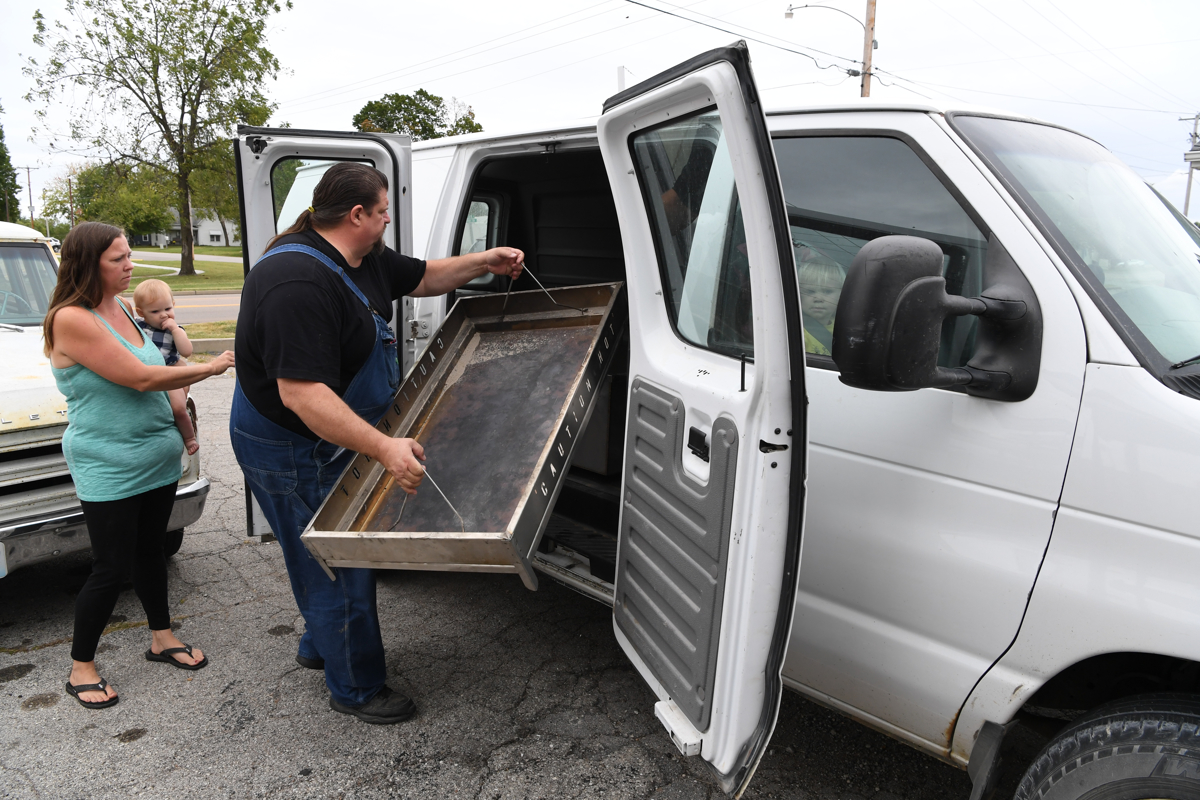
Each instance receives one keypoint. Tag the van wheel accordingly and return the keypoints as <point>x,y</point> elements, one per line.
<point>172,541</point>
<point>1134,749</point>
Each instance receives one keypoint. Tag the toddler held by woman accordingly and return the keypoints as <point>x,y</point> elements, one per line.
<point>155,305</point>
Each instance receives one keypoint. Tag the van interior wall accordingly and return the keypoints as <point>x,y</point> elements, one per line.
<point>561,213</point>
<point>558,208</point>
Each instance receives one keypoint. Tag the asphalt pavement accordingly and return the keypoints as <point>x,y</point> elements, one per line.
<point>520,694</point>
<point>191,308</point>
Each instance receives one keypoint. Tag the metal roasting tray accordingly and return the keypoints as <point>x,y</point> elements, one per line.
<point>498,401</point>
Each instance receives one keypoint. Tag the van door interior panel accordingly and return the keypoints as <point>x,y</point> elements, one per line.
<point>673,548</point>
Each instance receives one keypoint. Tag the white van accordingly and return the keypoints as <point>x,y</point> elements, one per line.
<point>973,497</point>
<point>40,516</point>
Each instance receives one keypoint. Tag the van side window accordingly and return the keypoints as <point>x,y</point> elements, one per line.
<point>843,191</point>
<point>481,231</point>
<point>687,181</point>
<point>292,183</point>
<point>475,237</point>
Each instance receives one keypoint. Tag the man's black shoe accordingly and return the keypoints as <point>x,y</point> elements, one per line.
<point>310,663</point>
<point>386,708</point>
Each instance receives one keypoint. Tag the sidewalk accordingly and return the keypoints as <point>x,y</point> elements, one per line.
<point>157,255</point>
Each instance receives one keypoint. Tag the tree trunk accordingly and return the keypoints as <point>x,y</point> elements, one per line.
<point>187,260</point>
<point>224,230</point>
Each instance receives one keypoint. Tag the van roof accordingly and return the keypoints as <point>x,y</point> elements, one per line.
<point>554,131</point>
<point>12,232</point>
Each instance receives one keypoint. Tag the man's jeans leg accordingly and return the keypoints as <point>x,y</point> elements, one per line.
<point>340,616</point>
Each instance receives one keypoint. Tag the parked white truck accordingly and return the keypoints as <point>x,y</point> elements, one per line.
<point>983,505</point>
<point>40,517</point>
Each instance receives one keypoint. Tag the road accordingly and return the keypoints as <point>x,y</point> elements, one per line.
<point>191,308</point>
<point>521,694</point>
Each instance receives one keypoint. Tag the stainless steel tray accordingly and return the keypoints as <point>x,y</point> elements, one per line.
<point>498,401</point>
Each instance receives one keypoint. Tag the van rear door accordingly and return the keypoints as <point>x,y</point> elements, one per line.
<point>713,481</point>
<point>277,170</point>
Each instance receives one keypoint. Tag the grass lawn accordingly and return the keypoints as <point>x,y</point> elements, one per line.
<point>211,330</point>
<point>201,250</point>
<point>217,275</point>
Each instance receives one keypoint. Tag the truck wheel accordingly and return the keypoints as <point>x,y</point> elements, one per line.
<point>1134,749</point>
<point>172,541</point>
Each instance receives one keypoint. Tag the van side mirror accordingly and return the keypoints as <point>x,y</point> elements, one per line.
<point>890,315</point>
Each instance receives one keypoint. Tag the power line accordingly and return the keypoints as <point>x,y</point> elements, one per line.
<point>1034,73</point>
<point>760,33</point>
<point>1048,55</point>
<point>1028,97</point>
<point>751,38</point>
<point>1041,47</point>
<point>1081,44</point>
<point>622,46</point>
<point>466,51</point>
<point>806,83</point>
<point>473,69</point>
<point>1111,51</point>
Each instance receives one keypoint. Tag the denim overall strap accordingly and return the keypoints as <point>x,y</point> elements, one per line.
<point>376,383</point>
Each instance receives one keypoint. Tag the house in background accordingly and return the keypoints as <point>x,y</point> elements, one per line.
<point>206,230</point>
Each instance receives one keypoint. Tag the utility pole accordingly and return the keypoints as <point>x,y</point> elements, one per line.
<point>869,42</point>
<point>29,185</point>
<point>1191,158</point>
<point>868,45</point>
<point>70,203</point>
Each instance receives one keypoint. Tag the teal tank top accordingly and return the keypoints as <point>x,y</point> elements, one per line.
<point>119,442</point>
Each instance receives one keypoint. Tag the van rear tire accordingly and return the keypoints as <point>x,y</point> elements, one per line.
<point>172,541</point>
<point>1134,749</point>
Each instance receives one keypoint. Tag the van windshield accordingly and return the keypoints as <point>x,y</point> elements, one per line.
<point>1140,261</point>
<point>27,277</point>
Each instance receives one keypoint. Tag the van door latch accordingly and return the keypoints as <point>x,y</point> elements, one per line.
<point>698,444</point>
<point>770,447</point>
<point>418,328</point>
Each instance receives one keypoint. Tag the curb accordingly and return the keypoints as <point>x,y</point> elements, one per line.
<point>214,346</point>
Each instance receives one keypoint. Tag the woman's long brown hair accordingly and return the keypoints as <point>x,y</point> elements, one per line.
<point>341,188</point>
<point>79,281</point>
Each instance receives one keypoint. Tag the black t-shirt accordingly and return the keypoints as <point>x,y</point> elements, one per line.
<point>299,320</point>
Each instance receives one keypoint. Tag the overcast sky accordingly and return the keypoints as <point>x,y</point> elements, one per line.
<point>1119,72</point>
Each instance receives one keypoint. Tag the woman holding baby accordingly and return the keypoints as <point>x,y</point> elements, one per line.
<point>122,446</point>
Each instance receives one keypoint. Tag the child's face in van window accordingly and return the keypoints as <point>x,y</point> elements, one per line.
<point>820,302</point>
<point>158,311</point>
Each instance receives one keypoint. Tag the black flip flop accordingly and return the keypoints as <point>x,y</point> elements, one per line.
<point>165,657</point>
<point>92,687</point>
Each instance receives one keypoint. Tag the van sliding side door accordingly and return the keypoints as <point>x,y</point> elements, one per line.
<point>713,481</point>
<point>277,170</point>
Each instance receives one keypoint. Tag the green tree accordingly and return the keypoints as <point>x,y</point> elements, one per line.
<point>135,197</point>
<point>9,188</point>
<point>215,188</point>
<point>283,175</point>
<point>165,81</point>
<point>421,115</point>
<point>58,229</point>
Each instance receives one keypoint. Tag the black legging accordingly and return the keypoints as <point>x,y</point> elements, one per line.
<point>126,535</point>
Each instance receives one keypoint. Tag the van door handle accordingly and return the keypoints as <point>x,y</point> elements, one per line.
<point>698,444</point>
<point>770,447</point>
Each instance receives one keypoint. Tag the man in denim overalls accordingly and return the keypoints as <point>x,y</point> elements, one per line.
<point>317,367</point>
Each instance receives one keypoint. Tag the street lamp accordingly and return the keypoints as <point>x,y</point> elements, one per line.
<point>869,41</point>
